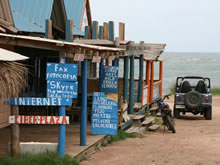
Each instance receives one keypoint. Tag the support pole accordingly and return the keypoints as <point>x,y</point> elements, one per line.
<point>62,127</point>
<point>141,74</point>
<point>101,67</point>
<point>161,78</point>
<point>131,88</point>
<point>95,30</point>
<point>15,134</point>
<point>83,121</point>
<point>62,133</point>
<point>86,35</point>
<point>111,31</point>
<point>100,32</point>
<point>115,62</point>
<point>125,81</point>
<point>107,62</point>
<point>152,82</point>
<point>148,81</point>
<point>48,29</point>
<point>69,30</point>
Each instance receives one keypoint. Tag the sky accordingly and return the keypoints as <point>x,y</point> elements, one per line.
<point>184,25</point>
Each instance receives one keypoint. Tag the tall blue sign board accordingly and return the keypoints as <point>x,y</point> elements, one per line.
<point>104,115</point>
<point>109,79</point>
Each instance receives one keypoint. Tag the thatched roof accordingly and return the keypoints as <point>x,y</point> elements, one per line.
<point>13,75</point>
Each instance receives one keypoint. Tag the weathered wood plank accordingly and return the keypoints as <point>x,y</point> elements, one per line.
<point>15,134</point>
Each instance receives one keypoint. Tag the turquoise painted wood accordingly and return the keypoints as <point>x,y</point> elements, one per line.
<point>100,32</point>
<point>131,87</point>
<point>47,28</point>
<point>83,121</point>
<point>86,35</point>
<point>94,30</point>
<point>111,30</point>
<point>125,80</point>
<point>68,33</point>
<point>141,74</point>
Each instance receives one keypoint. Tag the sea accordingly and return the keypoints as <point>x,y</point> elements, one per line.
<point>178,64</point>
<point>190,64</point>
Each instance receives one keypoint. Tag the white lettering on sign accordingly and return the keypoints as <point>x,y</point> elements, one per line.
<point>37,101</point>
<point>61,76</point>
<point>39,119</point>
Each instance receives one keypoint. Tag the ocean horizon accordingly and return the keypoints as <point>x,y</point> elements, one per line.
<point>178,64</point>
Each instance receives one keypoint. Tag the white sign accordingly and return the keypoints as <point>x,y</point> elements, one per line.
<point>39,119</point>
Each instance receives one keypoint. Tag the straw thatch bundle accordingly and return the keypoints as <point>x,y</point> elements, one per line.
<point>13,77</point>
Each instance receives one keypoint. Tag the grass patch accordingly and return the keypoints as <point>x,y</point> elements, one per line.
<point>122,135</point>
<point>158,122</point>
<point>215,91</point>
<point>39,159</point>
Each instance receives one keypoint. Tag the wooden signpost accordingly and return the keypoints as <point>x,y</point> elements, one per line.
<point>62,86</point>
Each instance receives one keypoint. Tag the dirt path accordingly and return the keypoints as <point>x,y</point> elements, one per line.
<point>197,142</point>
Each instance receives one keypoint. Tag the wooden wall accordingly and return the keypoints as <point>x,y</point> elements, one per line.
<point>4,115</point>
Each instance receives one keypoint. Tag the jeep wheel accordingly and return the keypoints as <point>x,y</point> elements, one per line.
<point>208,113</point>
<point>176,112</point>
<point>193,100</point>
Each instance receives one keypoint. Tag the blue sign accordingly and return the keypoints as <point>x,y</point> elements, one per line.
<point>36,101</point>
<point>61,72</point>
<point>109,79</point>
<point>104,115</point>
<point>62,89</point>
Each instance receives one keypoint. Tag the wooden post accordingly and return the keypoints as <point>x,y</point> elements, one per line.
<point>101,67</point>
<point>106,31</point>
<point>69,30</point>
<point>152,82</point>
<point>48,29</point>
<point>83,121</point>
<point>161,78</point>
<point>148,81</point>
<point>15,134</point>
<point>86,35</point>
<point>125,80</point>
<point>100,32</point>
<point>121,31</point>
<point>131,87</point>
<point>141,74</point>
<point>111,31</point>
<point>95,30</point>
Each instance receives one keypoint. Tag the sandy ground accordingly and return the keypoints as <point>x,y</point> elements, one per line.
<point>197,142</point>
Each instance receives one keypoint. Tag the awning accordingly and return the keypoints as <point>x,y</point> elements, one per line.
<point>6,55</point>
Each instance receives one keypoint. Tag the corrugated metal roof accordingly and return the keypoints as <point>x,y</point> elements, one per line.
<point>30,15</point>
<point>74,11</point>
<point>5,12</point>
<point>6,55</point>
